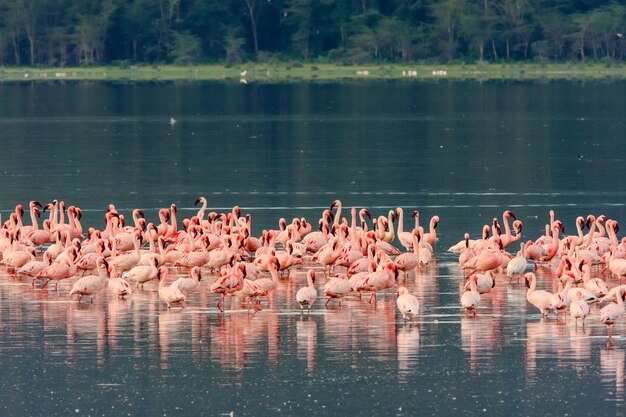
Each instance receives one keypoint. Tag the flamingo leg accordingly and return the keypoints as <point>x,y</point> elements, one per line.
<point>219,304</point>
<point>44,285</point>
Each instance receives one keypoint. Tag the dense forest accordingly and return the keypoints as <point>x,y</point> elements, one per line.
<point>124,32</point>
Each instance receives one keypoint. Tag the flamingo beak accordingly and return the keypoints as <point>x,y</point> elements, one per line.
<point>526,282</point>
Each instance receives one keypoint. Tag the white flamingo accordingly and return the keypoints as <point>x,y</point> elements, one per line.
<point>407,304</point>
<point>306,296</point>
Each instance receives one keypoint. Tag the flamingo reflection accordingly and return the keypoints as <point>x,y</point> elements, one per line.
<point>306,342</point>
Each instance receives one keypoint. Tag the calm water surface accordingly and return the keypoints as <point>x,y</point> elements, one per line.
<point>465,152</point>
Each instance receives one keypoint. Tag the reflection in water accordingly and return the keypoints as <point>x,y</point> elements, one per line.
<point>479,337</point>
<point>306,339</point>
<point>170,333</point>
<point>612,376</point>
<point>545,339</point>
<point>407,345</point>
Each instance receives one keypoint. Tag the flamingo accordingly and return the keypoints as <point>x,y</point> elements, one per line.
<point>410,260</point>
<point>306,296</point>
<point>118,286</point>
<point>431,236</point>
<point>484,282</point>
<point>517,265</point>
<point>227,284</point>
<point>141,274</point>
<point>90,284</point>
<point>470,300</point>
<point>34,213</point>
<point>249,291</point>
<point>596,286</point>
<point>189,284</point>
<point>327,255</point>
<point>169,294</point>
<point>611,312</point>
<point>486,260</point>
<point>337,287</point>
<point>405,238</point>
<point>407,304</point>
<point>539,298</point>
<point>383,277</point>
<point>33,267</point>
<point>534,252</point>
<point>507,238</point>
<point>17,255</point>
<point>191,259</point>
<point>58,271</point>
<point>578,307</point>
<point>127,261</point>
<point>466,253</point>
<point>270,284</point>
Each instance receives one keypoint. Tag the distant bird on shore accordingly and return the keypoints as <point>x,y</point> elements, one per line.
<point>172,121</point>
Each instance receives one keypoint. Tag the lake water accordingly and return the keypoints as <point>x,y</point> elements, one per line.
<point>463,151</point>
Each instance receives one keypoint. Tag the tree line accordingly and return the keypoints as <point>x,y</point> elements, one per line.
<point>122,32</point>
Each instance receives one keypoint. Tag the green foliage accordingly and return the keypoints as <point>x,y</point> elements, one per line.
<point>185,49</point>
<point>95,32</point>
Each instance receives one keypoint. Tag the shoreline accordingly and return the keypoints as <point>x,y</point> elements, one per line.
<point>286,72</point>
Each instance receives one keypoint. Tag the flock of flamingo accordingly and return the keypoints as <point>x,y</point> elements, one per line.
<point>357,256</point>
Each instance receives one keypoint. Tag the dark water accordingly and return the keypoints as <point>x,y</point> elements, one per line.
<point>465,152</point>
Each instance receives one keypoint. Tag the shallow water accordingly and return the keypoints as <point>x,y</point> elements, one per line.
<point>465,152</point>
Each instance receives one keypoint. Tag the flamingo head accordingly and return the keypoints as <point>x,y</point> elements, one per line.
<point>199,200</point>
<point>560,226</point>
<point>435,221</point>
<point>509,213</point>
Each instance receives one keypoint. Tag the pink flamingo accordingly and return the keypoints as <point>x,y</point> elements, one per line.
<point>612,312</point>
<point>169,294</point>
<point>227,284</point>
<point>189,284</point>
<point>90,284</point>
<point>58,271</point>
<point>337,287</point>
<point>431,236</point>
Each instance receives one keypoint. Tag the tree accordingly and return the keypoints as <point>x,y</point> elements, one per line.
<point>447,16</point>
<point>558,28</point>
<point>186,48</point>
<point>298,18</point>
<point>252,8</point>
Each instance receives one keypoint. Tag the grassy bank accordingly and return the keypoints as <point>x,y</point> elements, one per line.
<point>247,73</point>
